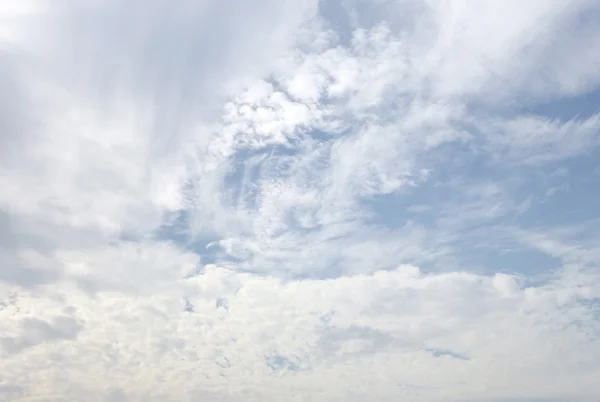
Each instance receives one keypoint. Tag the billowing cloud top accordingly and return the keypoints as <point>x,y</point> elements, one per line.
<point>310,200</point>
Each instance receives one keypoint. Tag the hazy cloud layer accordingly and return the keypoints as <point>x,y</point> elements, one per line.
<point>299,200</point>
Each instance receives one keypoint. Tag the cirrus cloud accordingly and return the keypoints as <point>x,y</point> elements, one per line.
<point>298,200</point>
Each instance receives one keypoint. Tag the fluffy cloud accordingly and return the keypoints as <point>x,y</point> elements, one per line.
<point>298,200</point>
<point>399,333</point>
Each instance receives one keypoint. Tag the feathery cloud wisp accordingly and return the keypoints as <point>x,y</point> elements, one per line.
<point>299,200</point>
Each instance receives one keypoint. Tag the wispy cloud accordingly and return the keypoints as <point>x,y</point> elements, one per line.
<point>358,200</point>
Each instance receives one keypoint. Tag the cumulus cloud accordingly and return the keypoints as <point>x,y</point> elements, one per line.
<point>413,334</point>
<point>315,201</point>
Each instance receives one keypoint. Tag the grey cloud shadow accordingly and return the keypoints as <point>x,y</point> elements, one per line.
<point>115,395</point>
<point>35,332</point>
<point>13,239</point>
<point>15,124</point>
<point>20,234</point>
<point>11,391</point>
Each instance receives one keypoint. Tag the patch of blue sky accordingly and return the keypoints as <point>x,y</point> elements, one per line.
<point>535,198</point>
<point>571,200</point>
<point>177,230</point>
<point>493,259</point>
<point>449,353</point>
<point>582,106</point>
<point>277,363</point>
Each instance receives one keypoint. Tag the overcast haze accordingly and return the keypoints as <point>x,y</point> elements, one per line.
<point>300,200</point>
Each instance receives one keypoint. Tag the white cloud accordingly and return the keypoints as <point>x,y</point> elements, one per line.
<point>274,200</point>
<point>107,148</point>
<point>438,335</point>
<point>538,140</point>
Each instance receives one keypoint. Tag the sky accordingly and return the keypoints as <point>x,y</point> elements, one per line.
<point>300,200</point>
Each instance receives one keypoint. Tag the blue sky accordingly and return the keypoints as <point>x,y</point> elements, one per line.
<point>299,200</point>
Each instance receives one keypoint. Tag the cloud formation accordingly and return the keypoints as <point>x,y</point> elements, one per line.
<point>316,201</point>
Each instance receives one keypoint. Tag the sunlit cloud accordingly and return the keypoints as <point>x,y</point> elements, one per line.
<point>286,200</point>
